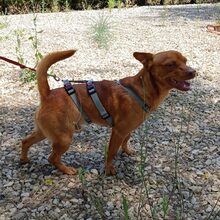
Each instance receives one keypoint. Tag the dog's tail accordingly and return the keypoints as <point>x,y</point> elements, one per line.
<point>43,67</point>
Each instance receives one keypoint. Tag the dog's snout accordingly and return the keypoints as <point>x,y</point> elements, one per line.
<point>191,71</point>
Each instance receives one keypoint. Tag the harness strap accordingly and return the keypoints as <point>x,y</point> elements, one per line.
<point>137,98</point>
<point>72,93</point>
<point>92,92</point>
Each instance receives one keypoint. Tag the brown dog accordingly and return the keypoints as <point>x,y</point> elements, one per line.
<point>57,116</point>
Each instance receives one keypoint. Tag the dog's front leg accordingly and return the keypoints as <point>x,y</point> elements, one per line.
<point>115,142</point>
<point>129,151</point>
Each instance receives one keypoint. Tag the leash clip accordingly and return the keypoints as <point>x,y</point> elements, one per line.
<point>57,78</point>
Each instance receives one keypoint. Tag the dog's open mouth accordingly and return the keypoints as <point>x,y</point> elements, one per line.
<point>181,85</point>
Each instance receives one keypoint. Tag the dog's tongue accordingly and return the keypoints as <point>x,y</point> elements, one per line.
<point>185,85</point>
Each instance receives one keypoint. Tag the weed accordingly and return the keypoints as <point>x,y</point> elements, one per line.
<point>81,174</point>
<point>177,214</point>
<point>119,3</point>
<point>26,75</point>
<point>105,151</point>
<point>35,42</point>
<point>2,38</point>
<point>3,25</point>
<point>101,31</point>
<point>43,9</point>
<point>111,4</point>
<point>86,5</point>
<point>212,215</point>
<point>141,170</point>
<point>95,201</point>
<point>165,205</point>
<point>55,6</point>
<point>145,190</point>
<point>128,3</point>
<point>125,207</point>
<point>19,34</point>
<point>177,139</point>
<point>154,211</point>
<point>67,6</point>
<point>98,203</point>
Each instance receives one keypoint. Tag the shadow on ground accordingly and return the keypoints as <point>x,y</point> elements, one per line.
<point>186,12</point>
<point>87,152</point>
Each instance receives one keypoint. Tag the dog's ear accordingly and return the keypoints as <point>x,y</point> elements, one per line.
<point>145,58</point>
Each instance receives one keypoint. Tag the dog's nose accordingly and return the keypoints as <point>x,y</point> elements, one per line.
<point>191,71</point>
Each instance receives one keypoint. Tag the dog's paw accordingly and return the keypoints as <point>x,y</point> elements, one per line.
<point>24,160</point>
<point>110,170</point>
<point>129,151</point>
<point>70,171</point>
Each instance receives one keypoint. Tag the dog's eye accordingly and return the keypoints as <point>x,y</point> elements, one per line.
<point>170,65</point>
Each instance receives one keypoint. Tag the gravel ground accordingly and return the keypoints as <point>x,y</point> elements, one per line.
<point>186,126</point>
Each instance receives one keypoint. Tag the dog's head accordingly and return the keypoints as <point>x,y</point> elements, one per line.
<point>168,68</point>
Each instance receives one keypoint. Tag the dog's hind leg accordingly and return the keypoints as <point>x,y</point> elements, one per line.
<point>129,151</point>
<point>114,144</point>
<point>60,146</point>
<point>27,142</point>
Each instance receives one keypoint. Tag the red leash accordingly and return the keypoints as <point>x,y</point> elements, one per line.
<point>22,66</point>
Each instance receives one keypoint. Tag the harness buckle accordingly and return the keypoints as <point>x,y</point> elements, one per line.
<point>68,87</point>
<point>90,87</point>
<point>105,115</point>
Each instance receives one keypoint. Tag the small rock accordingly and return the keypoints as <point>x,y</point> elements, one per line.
<point>218,161</point>
<point>147,207</point>
<point>208,162</point>
<point>186,195</point>
<point>41,208</point>
<point>9,184</point>
<point>53,215</point>
<point>64,217</point>
<point>87,206</point>
<point>209,209</point>
<point>110,205</point>
<point>196,189</point>
<point>20,205</point>
<point>193,200</point>
<point>213,148</point>
<point>107,213</point>
<point>20,216</point>
<point>56,201</point>
<point>25,194</point>
<point>71,185</point>
<point>195,152</point>
<point>57,210</point>
<point>74,200</point>
<point>167,169</point>
<point>199,172</point>
<point>94,171</point>
<point>13,210</point>
<point>215,189</point>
